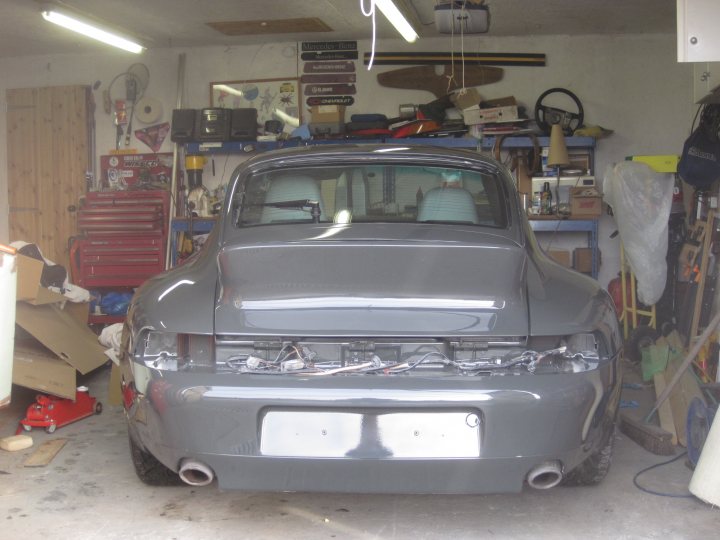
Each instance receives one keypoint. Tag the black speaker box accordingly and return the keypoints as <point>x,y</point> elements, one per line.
<point>212,124</point>
<point>183,125</point>
<point>244,125</point>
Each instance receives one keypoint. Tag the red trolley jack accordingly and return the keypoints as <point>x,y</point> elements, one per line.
<point>53,412</point>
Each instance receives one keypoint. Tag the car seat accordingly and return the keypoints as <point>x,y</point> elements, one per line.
<point>448,204</point>
<point>359,195</point>
<point>291,188</point>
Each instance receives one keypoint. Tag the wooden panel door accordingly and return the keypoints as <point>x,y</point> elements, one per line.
<point>48,138</point>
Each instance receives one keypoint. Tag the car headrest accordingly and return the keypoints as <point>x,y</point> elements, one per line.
<point>291,188</point>
<point>448,204</point>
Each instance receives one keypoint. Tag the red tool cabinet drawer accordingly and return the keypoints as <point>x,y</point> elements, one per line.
<point>117,262</point>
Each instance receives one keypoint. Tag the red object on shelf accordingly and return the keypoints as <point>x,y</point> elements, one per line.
<point>51,412</point>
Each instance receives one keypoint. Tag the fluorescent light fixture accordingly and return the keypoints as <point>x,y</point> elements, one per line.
<point>228,90</point>
<point>392,14</point>
<point>71,22</point>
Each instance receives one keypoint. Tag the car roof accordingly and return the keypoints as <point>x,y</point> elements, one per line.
<point>373,151</point>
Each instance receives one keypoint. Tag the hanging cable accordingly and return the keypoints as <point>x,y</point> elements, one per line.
<point>370,13</point>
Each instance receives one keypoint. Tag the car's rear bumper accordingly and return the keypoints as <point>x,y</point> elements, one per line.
<point>524,420</point>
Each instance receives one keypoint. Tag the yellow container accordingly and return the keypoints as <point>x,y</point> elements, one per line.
<point>662,164</point>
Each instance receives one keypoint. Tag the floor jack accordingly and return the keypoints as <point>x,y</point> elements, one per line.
<point>53,412</point>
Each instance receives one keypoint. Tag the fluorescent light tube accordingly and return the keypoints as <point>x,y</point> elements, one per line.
<point>89,30</point>
<point>392,14</point>
<point>228,90</point>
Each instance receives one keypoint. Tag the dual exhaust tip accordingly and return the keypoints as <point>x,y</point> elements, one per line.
<point>195,473</point>
<point>546,475</point>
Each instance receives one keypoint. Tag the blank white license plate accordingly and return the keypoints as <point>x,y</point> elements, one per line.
<point>360,435</point>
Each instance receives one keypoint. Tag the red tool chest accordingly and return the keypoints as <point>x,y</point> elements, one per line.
<point>124,235</point>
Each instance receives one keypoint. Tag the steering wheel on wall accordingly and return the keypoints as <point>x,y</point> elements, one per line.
<point>546,116</point>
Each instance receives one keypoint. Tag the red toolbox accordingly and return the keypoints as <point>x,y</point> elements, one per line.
<point>124,237</point>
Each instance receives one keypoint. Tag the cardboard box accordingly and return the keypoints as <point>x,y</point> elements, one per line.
<point>59,341</point>
<point>476,115</point>
<point>585,202</point>
<point>35,367</point>
<point>327,114</point>
<point>561,256</point>
<point>324,129</point>
<point>29,290</point>
<point>469,98</point>
<point>582,260</point>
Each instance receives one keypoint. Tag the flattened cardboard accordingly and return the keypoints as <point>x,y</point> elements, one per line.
<point>36,369</point>
<point>28,283</point>
<point>57,329</point>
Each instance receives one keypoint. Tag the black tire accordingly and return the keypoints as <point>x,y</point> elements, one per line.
<point>640,337</point>
<point>594,469</point>
<point>150,470</point>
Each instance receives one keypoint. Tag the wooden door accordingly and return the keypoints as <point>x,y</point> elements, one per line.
<point>48,138</point>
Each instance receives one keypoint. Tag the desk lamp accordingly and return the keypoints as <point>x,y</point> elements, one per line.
<point>558,157</point>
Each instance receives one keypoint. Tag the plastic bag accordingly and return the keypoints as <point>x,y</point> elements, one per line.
<point>641,201</point>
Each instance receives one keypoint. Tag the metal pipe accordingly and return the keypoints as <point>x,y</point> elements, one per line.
<point>195,473</point>
<point>176,158</point>
<point>545,476</point>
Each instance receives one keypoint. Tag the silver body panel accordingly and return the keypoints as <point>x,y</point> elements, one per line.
<point>420,432</point>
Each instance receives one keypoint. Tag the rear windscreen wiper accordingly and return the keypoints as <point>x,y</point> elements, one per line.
<point>299,204</point>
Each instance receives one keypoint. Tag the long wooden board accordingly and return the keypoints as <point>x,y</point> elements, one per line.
<point>436,58</point>
<point>45,453</point>
<point>667,422</point>
<point>425,78</point>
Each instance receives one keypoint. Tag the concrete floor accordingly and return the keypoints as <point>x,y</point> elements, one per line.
<point>90,491</point>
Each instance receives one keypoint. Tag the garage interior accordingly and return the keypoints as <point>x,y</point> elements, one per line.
<point>114,167</point>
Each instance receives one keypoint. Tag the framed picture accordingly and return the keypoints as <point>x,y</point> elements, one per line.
<point>274,99</point>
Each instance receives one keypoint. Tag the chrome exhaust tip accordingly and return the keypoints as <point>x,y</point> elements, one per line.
<point>545,476</point>
<point>195,473</point>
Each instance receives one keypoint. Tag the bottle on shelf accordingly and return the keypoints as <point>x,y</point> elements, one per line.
<point>546,199</point>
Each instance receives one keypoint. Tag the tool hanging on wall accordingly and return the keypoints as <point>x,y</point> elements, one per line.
<point>136,80</point>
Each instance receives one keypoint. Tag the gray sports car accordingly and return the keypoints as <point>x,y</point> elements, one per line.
<point>371,318</point>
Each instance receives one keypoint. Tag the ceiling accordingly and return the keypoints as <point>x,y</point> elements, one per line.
<point>182,23</point>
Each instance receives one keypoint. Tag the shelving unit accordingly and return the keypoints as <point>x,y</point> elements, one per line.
<point>548,224</point>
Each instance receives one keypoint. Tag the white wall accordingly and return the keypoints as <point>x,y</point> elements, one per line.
<point>631,84</point>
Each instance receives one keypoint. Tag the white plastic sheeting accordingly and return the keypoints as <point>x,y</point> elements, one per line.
<point>8,284</point>
<point>641,201</point>
<point>111,337</point>
<point>705,481</point>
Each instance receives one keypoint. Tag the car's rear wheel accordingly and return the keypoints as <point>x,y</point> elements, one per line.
<point>150,470</point>
<point>595,468</point>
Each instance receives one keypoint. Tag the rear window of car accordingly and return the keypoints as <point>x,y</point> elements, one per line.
<point>372,194</point>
